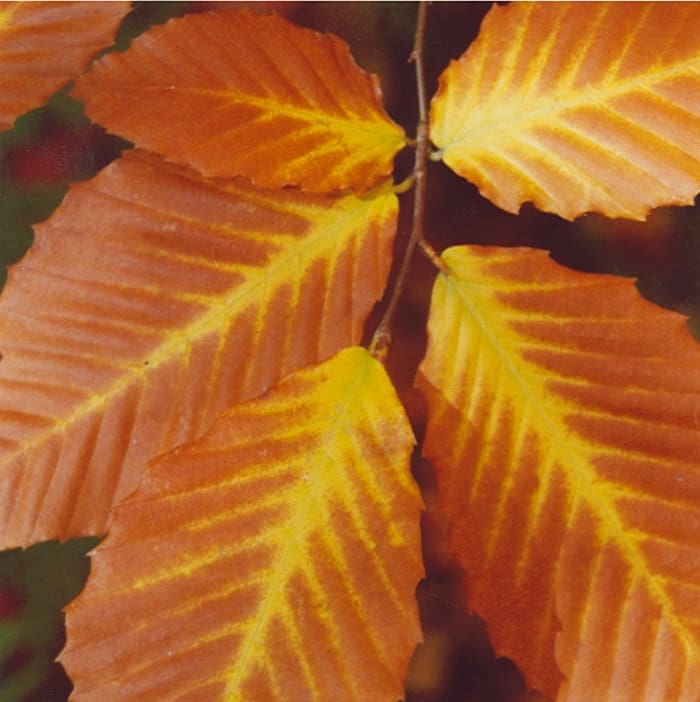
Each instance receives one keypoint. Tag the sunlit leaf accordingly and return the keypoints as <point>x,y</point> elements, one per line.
<point>247,94</point>
<point>564,426</point>
<point>276,558</point>
<point>43,45</point>
<point>577,107</point>
<point>152,300</point>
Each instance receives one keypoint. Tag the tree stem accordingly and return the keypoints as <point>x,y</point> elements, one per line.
<point>382,336</point>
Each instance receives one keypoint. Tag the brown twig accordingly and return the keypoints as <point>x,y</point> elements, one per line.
<point>432,255</point>
<point>382,337</point>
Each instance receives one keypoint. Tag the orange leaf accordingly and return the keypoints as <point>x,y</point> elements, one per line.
<point>577,107</point>
<point>564,426</point>
<point>152,300</point>
<point>251,95</point>
<point>46,44</point>
<point>276,558</point>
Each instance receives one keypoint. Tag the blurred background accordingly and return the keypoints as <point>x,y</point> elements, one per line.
<point>51,147</point>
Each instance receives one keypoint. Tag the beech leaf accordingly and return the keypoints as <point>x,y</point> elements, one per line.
<point>564,429</point>
<point>247,94</point>
<point>44,45</point>
<point>152,300</point>
<point>577,107</point>
<point>274,558</point>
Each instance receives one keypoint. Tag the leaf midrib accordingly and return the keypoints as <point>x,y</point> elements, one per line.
<point>216,316</point>
<point>554,107</point>
<point>577,469</point>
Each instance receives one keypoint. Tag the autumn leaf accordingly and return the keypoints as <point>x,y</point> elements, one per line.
<point>44,45</point>
<point>251,95</point>
<point>152,300</point>
<point>564,428</point>
<point>274,558</point>
<point>577,107</point>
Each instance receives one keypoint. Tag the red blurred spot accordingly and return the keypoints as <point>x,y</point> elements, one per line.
<point>11,601</point>
<point>61,153</point>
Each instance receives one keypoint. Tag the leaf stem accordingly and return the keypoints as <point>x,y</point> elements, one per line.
<point>382,336</point>
<point>433,257</point>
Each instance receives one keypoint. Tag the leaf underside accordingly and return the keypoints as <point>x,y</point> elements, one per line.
<point>274,558</point>
<point>577,107</point>
<point>151,301</point>
<point>247,94</point>
<point>43,45</point>
<point>564,425</point>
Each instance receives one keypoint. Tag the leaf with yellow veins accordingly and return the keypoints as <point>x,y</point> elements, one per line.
<point>152,300</point>
<point>44,45</point>
<point>275,558</point>
<point>564,429</point>
<point>577,107</point>
<point>248,94</point>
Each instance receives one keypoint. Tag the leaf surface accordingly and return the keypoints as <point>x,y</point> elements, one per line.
<point>577,107</point>
<point>275,558</point>
<point>564,426</point>
<point>152,300</point>
<point>43,45</point>
<point>251,95</point>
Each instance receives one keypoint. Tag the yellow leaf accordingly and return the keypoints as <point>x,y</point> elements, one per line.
<point>564,426</point>
<point>577,107</point>
<point>247,94</point>
<point>275,558</point>
<point>151,301</point>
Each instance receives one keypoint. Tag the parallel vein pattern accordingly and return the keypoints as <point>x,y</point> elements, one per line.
<point>275,558</point>
<point>44,45</point>
<point>577,107</point>
<point>564,425</point>
<point>152,300</point>
<point>248,95</point>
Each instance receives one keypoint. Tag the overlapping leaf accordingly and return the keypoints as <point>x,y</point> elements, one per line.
<point>151,301</point>
<point>248,95</point>
<point>275,558</point>
<point>577,107</point>
<point>564,424</point>
<point>43,45</point>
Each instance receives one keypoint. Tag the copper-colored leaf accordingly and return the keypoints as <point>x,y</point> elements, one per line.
<point>43,45</point>
<point>152,300</point>
<point>577,107</point>
<point>251,95</point>
<point>276,558</point>
<point>564,425</point>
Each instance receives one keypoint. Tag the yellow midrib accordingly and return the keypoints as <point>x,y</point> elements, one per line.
<point>581,475</point>
<point>545,109</point>
<point>323,236</point>
<point>304,521</point>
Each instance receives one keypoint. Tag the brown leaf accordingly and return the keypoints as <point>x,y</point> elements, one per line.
<point>564,428</point>
<point>577,107</point>
<point>247,94</point>
<point>152,300</point>
<point>44,45</point>
<point>275,558</point>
